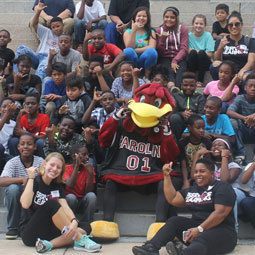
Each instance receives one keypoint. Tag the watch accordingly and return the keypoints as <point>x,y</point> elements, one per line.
<point>200,229</point>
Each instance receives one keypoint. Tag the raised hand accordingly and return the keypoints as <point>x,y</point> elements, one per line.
<point>32,171</point>
<point>136,71</point>
<point>64,109</point>
<point>98,70</point>
<point>224,41</point>
<point>88,36</point>
<point>97,95</point>
<point>11,109</point>
<point>52,53</point>
<point>167,168</point>
<point>163,35</point>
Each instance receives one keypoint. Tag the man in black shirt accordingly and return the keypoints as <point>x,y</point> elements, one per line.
<point>120,12</point>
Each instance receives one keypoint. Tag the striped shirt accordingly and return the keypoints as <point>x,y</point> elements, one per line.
<point>242,106</point>
<point>15,168</point>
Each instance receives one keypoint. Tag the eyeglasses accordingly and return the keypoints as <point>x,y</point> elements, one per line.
<point>237,24</point>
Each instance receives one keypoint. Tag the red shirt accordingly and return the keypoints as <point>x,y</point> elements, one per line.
<point>39,127</point>
<point>109,52</point>
<point>79,188</point>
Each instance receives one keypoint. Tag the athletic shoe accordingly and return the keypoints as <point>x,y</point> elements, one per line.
<point>147,249</point>
<point>11,234</point>
<point>175,248</point>
<point>86,244</point>
<point>42,246</point>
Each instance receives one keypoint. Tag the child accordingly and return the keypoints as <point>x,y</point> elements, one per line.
<point>172,45</point>
<point>111,53</point>
<point>13,176</point>
<point>63,141</point>
<point>217,125</point>
<point>201,47</point>
<point>225,88</point>
<point>7,110</point>
<point>241,112</point>
<point>96,78</point>
<point>54,88</point>
<point>70,57</point>
<point>124,86</point>
<point>188,101</point>
<point>75,102</point>
<point>30,121</point>
<point>23,82</point>
<point>220,28</point>
<point>140,41</point>
<point>100,114</point>
<point>80,184</point>
<point>5,53</point>
<point>90,15</point>
<point>189,145</point>
<point>48,40</point>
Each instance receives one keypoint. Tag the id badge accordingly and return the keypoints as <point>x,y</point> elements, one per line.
<point>55,194</point>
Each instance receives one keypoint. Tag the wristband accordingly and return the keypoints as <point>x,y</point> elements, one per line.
<point>75,220</point>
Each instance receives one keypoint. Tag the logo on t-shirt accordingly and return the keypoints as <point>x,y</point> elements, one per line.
<point>40,198</point>
<point>196,198</point>
<point>236,50</point>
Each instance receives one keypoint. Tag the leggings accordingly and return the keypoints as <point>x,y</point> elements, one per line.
<point>163,209</point>
<point>41,225</point>
<point>218,240</point>
<point>198,61</point>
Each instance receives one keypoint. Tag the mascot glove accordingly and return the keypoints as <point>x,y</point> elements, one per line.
<point>166,129</point>
<point>121,113</point>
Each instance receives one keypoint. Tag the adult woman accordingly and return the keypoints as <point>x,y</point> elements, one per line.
<point>235,47</point>
<point>140,41</point>
<point>172,44</point>
<point>211,229</point>
<point>51,215</point>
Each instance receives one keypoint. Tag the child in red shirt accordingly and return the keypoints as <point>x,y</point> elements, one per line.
<point>80,184</point>
<point>30,121</point>
<point>112,54</point>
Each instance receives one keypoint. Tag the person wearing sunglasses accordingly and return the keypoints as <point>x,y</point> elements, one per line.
<point>235,47</point>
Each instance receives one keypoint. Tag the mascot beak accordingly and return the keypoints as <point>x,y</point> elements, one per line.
<point>146,115</point>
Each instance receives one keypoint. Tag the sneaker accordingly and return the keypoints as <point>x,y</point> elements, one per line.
<point>42,246</point>
<point>11,234</point>
<point>175,248</point>
<point>147,249</point>
<point>86,244</point>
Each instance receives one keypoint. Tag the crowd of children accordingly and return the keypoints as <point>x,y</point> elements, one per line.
<point>62,107</point>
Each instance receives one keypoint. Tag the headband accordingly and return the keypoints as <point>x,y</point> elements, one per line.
<point>224,141</point>
<point>173,9</point>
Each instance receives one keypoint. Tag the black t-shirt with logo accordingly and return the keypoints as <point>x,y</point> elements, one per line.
<point>237,53</point>
<point>201,202</point>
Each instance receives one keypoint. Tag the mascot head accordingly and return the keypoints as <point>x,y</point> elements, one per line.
<point>151,102</point>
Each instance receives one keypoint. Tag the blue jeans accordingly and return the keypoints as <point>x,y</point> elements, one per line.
<point>87,205</point>
<point>145,60</point>
<point>239,197</point>
<point>80,27</point>
<point>12,197</point>
<point>39,60</point>
<point>13,147</point>
<point>248,209</point>
<point>111,34</point>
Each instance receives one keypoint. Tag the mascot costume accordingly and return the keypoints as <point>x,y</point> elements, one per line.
<point>140,142</point>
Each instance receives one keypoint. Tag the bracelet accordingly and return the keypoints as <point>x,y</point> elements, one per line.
<point>31,178</point>
<point>75,220</point>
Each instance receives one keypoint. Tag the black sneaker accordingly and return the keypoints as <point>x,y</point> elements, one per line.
<point>146,249</point>
<point>11,234</point>
<point>175,248</point>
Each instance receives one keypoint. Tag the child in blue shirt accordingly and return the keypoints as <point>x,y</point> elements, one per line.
<point>55,88</point>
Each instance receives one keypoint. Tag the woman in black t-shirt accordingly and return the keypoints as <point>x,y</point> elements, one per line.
<point>52,223</point>
<point>210,230</point>
<point>235,47</point>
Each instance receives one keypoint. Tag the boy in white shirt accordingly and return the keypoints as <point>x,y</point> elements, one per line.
<point>48,40</point>
<point>90,15</point>
<point>7,111</point>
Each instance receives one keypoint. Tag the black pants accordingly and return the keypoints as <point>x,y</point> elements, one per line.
<point>163,209</point>
<point>174,77</point>
<point>198,62</point>
<point>218,240</point>
<point>41,225</point>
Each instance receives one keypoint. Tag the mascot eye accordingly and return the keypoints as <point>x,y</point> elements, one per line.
<point>142,99</point>
<point>158,102</point>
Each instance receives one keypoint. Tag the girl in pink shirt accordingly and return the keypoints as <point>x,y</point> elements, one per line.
<point>225,88</point>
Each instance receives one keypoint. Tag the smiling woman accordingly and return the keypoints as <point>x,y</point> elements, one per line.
<point>50,217</point>
<point>211,228</point>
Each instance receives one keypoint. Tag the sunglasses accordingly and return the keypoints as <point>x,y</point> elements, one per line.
<point>237,24</point>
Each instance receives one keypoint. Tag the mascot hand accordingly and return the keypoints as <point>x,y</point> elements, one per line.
<point>166,128</point>
<point>121,113</point>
